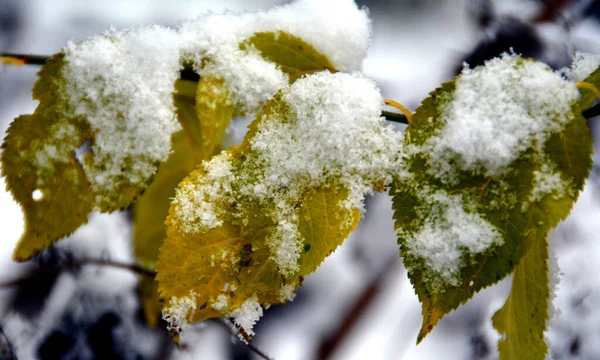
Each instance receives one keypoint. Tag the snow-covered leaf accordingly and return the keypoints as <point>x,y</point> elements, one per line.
<point>522,320</point>
<point>293,55</point>
<point>496,159</point>
<point>247,226</point>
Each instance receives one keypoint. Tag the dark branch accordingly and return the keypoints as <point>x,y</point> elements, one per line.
<point>188,73</point>
<point>233,331</point>
<point>98,262</point>
<point>131,267</point>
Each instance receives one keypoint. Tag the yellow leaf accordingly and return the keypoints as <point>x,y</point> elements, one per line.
<point>522,320</point>
<point>293,55</point>
<point>214,108</point>
<point>41,170</point>
<point>151,210</point>
<point>209,267</point>
<point>224,267</point>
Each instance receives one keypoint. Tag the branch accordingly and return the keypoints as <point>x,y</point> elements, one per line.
<point>85,261</point>
<point>119,265</point>
<point>189,74</point>
<point>238,331</point>
<point>9,347</point>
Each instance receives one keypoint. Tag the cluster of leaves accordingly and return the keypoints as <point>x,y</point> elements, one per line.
<point>186,264</point>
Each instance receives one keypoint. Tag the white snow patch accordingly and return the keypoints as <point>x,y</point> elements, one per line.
<point>247,315</point>
<point>584,64</point>
<point>179,310</point>
<point>496,113</point>
<point>196,205</point>
<point>547,181</point>
<point>122,83</point>
<point>447,234</point>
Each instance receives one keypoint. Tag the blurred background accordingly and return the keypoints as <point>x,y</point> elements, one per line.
<point>359,304</point>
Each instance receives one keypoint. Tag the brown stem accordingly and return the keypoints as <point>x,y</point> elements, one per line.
<point>119,265</point>
<point>231,330</point>
<point>98,262</point>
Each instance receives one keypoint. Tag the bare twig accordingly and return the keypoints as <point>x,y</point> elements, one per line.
<point>332,343</point>
<point>8,344</point>
<point>119,265</point>
<point>85,261</point>
<point>232,330</point>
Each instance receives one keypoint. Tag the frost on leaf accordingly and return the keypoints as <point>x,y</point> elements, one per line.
<point>522,320</point>
<point>496,159</point>
<point>256,219</point>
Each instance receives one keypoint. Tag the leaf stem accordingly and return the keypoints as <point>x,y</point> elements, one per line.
<point>256,350</point>
<point>400,107</point>
<point>394,117</point>
<point>588,86</point>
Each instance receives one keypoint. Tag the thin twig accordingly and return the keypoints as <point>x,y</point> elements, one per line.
<point>119,265</point>
<point>85,261</point>
<point>231,330</point>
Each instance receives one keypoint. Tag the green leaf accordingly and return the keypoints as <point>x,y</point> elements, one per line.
<point>522,320</point>
<point>214,108</point>
<point>588,97</point>
<point>293,55</point>
<point>210,272</point>
<point>38,161</point>
<point>507,214</point>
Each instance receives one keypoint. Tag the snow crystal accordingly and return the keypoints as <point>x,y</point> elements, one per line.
<point>247,315</point>
<point>496,113</point>
<point>448,232</point>
<point>177,313</point>
<point>547,181</point>
<point>584,64</point>
<point>122,83</point>
<point>197,204</point>
<point>287,293</point>
<point>221,303</point>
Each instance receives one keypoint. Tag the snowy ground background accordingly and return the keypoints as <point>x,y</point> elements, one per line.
<point>416,46</point>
